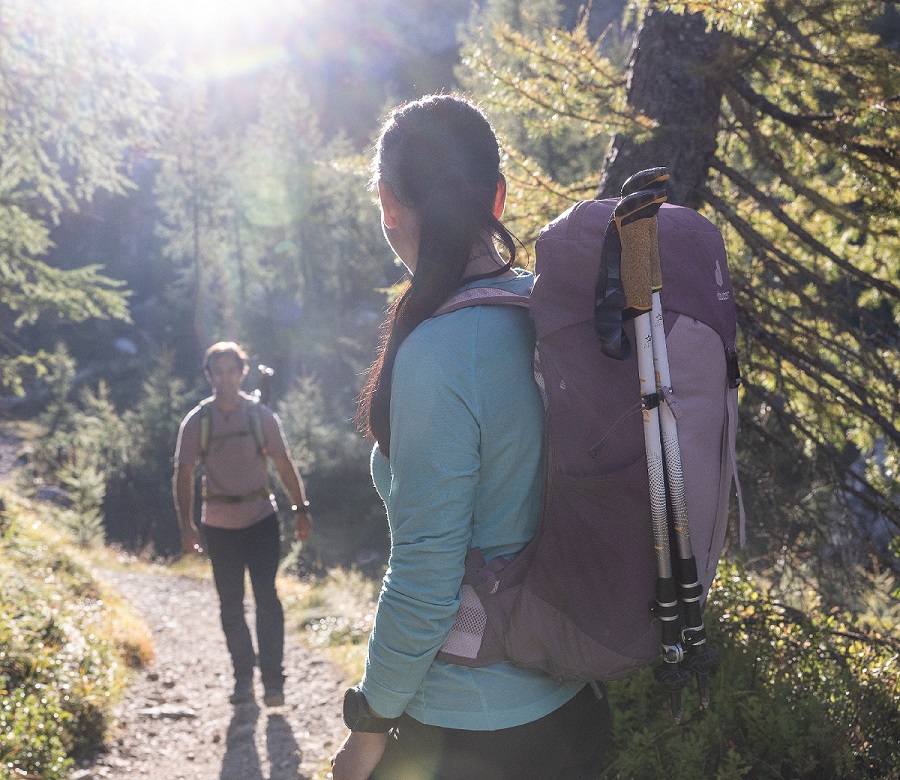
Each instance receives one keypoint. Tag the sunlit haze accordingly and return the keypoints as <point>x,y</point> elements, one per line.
<point>196,18</point>
<point>208,38</point>
<point>335,51</point>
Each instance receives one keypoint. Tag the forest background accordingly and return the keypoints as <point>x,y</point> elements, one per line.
<point>164,186</point>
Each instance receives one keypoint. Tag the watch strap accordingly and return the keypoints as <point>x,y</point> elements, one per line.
<point>358,715</point>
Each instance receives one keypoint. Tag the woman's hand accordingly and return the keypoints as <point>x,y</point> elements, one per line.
<point>358,755</point>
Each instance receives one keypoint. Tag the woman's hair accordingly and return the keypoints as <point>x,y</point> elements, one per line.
<point>221,348</point>
<point>440,158</point>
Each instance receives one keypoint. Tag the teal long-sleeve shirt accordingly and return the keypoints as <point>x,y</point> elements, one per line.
<point>465,471</point>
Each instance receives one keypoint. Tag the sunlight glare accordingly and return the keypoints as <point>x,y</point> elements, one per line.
<point>211,38</point>
<point>199,20</point>
<point>194,16</point>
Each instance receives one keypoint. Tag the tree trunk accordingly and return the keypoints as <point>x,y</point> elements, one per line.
<point>673,79</point>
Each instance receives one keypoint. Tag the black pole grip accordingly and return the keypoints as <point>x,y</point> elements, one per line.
<point>645,179</point>
<point>666,608</point>
<point>643,204</point>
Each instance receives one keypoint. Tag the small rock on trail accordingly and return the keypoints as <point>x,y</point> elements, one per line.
<point>175,722</point>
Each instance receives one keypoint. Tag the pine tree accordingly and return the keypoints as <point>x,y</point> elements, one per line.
<point>139,507</point>
<point>73,106</point>
<point>272,229</point>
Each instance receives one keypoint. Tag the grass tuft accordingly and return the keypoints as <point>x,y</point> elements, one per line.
<point>336,613</point>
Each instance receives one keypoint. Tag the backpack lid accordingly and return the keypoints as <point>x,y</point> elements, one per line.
<point>695,274</point>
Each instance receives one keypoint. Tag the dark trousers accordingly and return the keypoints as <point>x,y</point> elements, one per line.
<point>567,744</point>
<point>256,549</point>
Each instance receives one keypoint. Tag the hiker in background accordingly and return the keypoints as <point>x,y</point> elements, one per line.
<point>458,424</point>
<point>231,435</point>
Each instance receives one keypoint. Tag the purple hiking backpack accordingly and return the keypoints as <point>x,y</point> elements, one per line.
<point>575,603</point>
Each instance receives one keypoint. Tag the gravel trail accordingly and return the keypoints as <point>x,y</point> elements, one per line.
<point>175,722</point>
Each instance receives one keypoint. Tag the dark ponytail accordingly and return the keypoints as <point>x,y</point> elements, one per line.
<point>440,158</point>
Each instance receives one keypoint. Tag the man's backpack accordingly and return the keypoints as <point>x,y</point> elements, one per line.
<point>575,603</point>
<point>206,435</point>
<point>206,426</point>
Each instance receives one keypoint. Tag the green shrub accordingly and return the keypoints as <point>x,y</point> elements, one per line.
<point>796,696</point>
<point>87,487</point>
<point>58,673</point>
<point>141,490</point>
<point>76,435</point>
<point>32,735</point>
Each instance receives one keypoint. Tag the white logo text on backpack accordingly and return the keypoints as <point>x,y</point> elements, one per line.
<point>722,295</point>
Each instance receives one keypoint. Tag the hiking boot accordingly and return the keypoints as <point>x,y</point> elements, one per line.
<point>273,697</point>
<point>243,691</point>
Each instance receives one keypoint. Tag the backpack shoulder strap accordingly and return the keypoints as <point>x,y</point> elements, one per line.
<point>256,426</point>
<point>205,426</point>
<point>482,296</point>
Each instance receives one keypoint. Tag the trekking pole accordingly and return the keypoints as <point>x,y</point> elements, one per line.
<point>700,658</point>
<point>633,215</point>
<point>265,383</point>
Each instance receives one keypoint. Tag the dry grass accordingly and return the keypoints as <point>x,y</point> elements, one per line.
<point>128,632</point>
<point>335,614</point>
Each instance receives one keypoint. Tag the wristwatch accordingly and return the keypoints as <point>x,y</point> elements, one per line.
<point>358,715</point>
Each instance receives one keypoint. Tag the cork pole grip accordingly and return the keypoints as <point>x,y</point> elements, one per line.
<point>636,248</point>
<point>655,270</point>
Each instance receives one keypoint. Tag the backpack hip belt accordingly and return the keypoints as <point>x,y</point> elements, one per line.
<point>224,498</point>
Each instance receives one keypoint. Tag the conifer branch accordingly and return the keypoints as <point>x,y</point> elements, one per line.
<point>808,124</point>
<point>772,206</point>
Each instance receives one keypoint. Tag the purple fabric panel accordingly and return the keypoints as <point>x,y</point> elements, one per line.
<point>582,612</point>
<point>700,383</point>
<point>594,417</point>
<point>695,274</point>
<point>567,264</point>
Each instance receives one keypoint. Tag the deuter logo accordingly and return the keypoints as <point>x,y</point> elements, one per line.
<point>722,295</point>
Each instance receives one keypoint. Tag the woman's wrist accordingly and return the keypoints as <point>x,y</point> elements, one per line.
<point>301,508</point>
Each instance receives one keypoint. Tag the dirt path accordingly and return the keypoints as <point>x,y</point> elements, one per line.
<point>175,721</point>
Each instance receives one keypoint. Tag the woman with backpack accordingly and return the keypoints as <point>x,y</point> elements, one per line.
<point>458,425</point>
